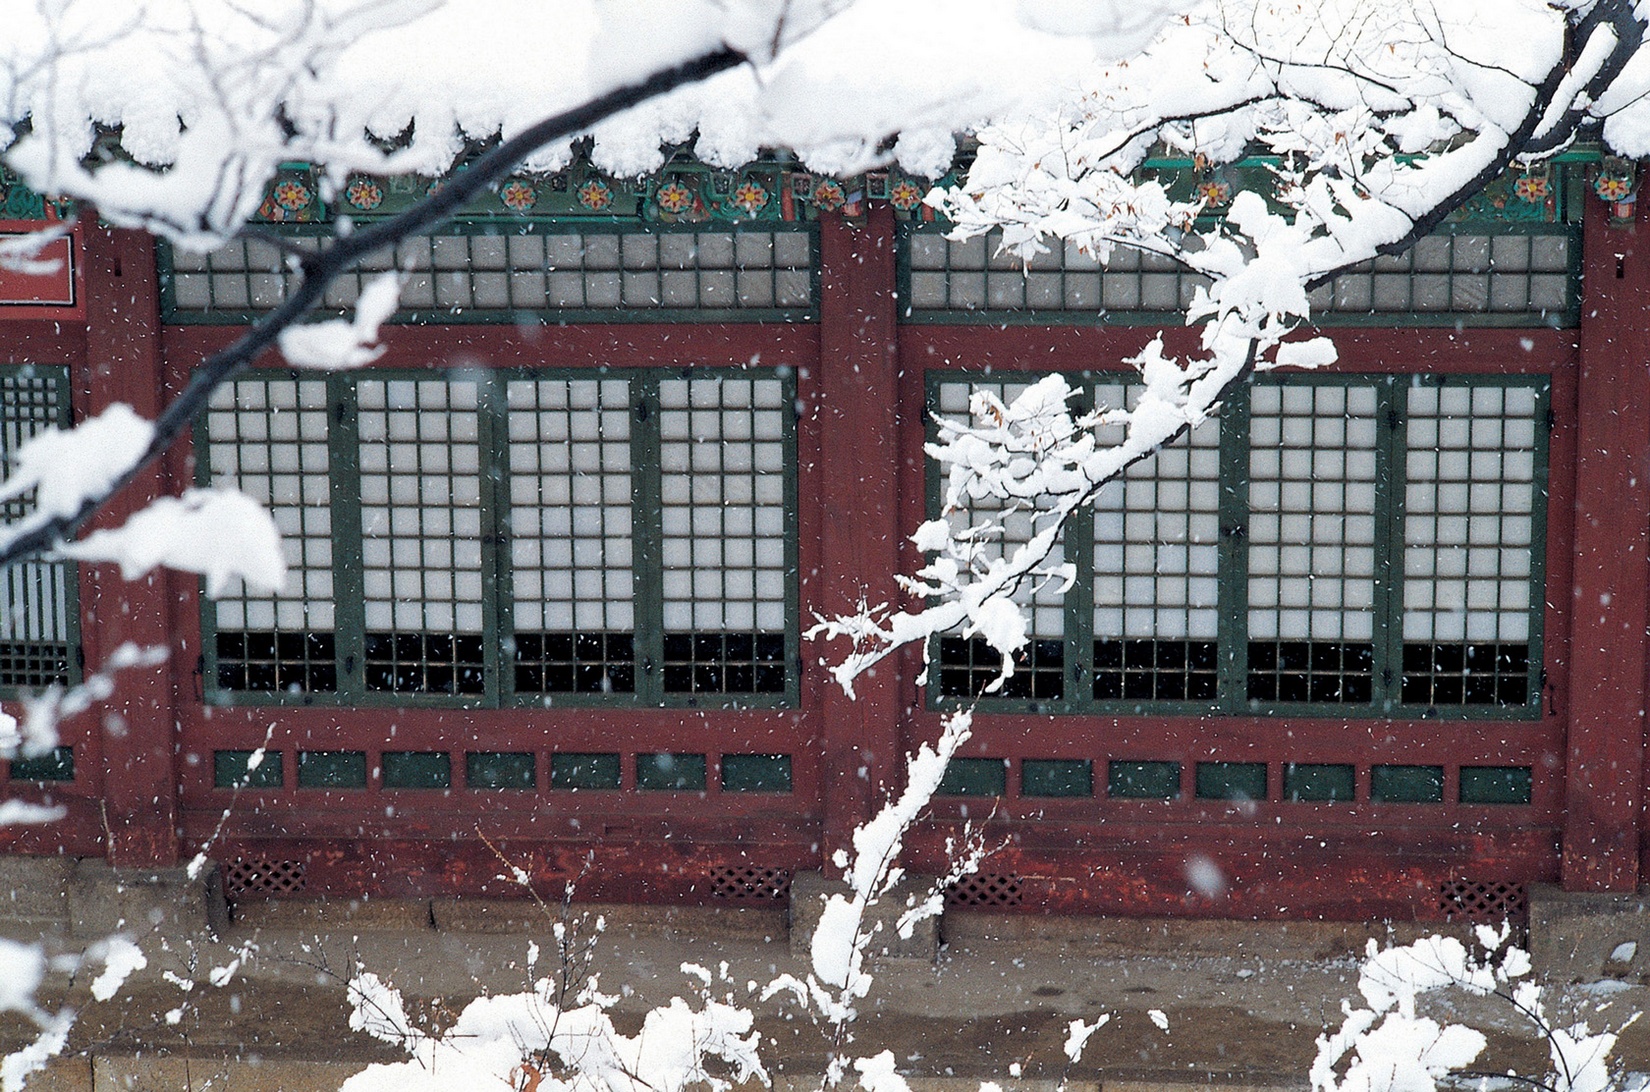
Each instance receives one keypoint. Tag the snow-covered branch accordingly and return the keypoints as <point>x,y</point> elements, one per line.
<point>1380,119</point>
<point>61,513</point>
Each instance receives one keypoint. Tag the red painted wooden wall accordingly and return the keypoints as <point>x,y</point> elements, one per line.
<point>144,791</point>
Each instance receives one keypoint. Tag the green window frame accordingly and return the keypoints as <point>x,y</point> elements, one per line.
<point>39,599</point>
<point>1359,545</point>
<point>513,538</point>
<point>490,272</point>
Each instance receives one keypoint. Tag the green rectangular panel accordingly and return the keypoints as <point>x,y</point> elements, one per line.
<point>1056,777</point>
<point>756,773</point>
<point>332,769</point>
<point>1231,781</point>
<point>670,772</point>
<point>1143,780</point>
<point>418,770</point>
<point>584,771</point>
<point>974,777</point>
<point>56,764</point>
<point>499,770</point>
<point>1495,784</point>
<point>1406,784</point>
<point>234,770</point>
<point>1318,781</point>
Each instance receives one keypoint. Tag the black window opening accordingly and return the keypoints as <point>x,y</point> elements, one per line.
<point>1367,543</point>
<point>516,538</point>
<point>39,604</point>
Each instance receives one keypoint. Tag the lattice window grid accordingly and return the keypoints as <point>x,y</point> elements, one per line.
<point>499,276</point>
<point>421,534</point>
<point>1470,502</point>
<point>265,876</point>
<point>268,438</point>
<point>723,534</point>
<point>1156,567</point>
<point>1484,901</point>
<point>968,666</point>
<point>1312,536</point>
<point>571,534</point>
<point>750,884</point>
<point>981,889</point>
<point>38,627</point>
<point>1518,275</point>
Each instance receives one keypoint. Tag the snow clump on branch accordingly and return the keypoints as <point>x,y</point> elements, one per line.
<point>1380,119</point>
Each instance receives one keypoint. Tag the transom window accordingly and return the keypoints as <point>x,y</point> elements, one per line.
<point>514,538</point>
<point>1480,274</point>
<point>39,624</point>
<point>482,273</point>
<point>1370,543</point>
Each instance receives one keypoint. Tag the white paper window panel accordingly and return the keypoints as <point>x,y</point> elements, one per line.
<point>1311,512</point>
<point>1469,507</point>
<point>722,489</point>
<point>570,504</point>
<point>420,505</point>
<point>1442,273</point>
<point>1156,535</point>
<point>528,272</point>
<point>1041,598</point>
<point>268,438</point>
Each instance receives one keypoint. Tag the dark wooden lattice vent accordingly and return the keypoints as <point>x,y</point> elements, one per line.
<point>1483,901</point>
<point>750,883</point>
<point>263,876</point>
<point>985,889</point>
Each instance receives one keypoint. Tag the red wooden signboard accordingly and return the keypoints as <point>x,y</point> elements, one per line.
<point>48,285</point>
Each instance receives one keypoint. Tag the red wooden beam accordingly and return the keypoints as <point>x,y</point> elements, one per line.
<point>1604,777</point>
<point>858,420</point>
<point>123,365</point>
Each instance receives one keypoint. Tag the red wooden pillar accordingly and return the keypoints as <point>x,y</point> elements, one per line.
<point>1604,776</point>
<point>123,365</point>
<point>859,548</point>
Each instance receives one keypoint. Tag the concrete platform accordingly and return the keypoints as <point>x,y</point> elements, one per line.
<point>1244,1001</point>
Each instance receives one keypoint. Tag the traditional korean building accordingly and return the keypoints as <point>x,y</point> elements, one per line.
<point>1370,645</point>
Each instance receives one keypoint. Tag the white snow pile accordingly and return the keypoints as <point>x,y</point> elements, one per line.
<point>345,343</point>
<point>193,85</point>
<point>22,967</point>
<point>527,1040</point>
<point>220,533</point>
<point>1392,1046</point>
<point>533,1040</point>
<point>837,948</point>
<point>23,812</point>
<point>65,467</point>
<point>121,958</point>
